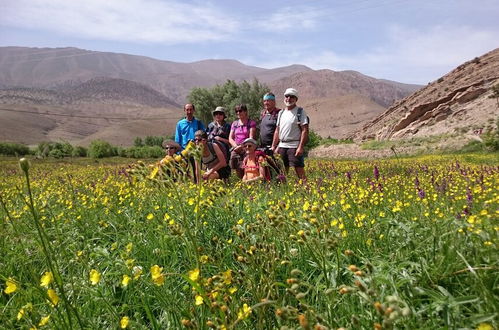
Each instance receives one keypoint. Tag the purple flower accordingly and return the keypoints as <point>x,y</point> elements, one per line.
<point>421,193</point>
<point>376,172</point>
<point>349,176</point>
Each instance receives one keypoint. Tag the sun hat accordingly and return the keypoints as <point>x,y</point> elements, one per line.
<point>291,91</point>
<point>171,143</point>
<point>250,140</point>
<point>219,109</point>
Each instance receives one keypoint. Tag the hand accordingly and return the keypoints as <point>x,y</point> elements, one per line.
<point>217,138</point>
<point>299,151</point>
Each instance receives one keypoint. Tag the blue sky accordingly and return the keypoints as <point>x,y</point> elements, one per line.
<point>402,40</point>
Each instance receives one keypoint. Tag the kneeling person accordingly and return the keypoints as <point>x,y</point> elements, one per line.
<point>212,158</point>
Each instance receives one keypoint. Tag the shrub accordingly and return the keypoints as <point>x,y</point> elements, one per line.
<point>101,149</point>
<point>79,151</point>
<point>13,149</point>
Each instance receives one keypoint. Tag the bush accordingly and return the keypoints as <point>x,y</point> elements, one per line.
<point>101,149</point>
<point>54,149</point>
<point>79,151</point>
<point>13,149</point>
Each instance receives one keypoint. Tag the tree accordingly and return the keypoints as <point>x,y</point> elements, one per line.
<point>228,96</point>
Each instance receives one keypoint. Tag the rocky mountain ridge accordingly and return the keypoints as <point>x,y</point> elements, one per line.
<point>457,102</point>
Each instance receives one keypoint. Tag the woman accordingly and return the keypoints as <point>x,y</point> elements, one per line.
<point>218,129</point>
<point>212,158</point>
<point>241,129</point>
<point>171,148</point>
<point>254,163</point>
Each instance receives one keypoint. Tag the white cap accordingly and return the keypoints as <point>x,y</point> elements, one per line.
<point>291,91</point>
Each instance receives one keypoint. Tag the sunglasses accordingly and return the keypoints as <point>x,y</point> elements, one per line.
<point>168,148</point>
<point>288,96</point>
<point>238,111</point>
<point>248,145</point>
<point>199,139</point>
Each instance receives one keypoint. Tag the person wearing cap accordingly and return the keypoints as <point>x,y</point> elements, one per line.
<point>170,147</point>
<point>240,130</point>
<point>268,122</point>
<point>253,163</point>
<point>212,158</point>
<point>219,130</point>
<point>187,126</point>
<point>291,134</point>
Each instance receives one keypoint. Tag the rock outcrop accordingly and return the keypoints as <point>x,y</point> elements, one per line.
<point>457,102</point>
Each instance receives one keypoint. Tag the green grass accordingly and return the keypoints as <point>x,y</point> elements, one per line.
<point>399,243</point>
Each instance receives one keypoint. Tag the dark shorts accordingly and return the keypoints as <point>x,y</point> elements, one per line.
<point>224,172</point>
<point>289,158</point>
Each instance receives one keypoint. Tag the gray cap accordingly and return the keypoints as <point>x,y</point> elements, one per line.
<point>250,140</point>
<point>219,109</point>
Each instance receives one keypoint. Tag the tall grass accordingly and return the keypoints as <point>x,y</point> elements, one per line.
<point>400,243</point>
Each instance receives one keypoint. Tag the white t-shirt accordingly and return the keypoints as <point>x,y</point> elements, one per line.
<point>289,131</point>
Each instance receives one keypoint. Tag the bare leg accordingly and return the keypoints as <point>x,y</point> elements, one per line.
<point>300,172</point>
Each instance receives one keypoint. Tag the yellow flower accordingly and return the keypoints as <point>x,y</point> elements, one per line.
<point>125,281</point>
<point>11,286</point>
<point>154,173</point>
<point>244,312</point>
<point>199,300</point>
<point>203,259</point>
<point>194,274</point>
<point>44,320</point>
<point>94,277</point>
<point>54,298</point>
<point>46,279</point>
<point>227,277</point>
<point>124,322</point>
<point>23,310</point>
<point>484,326</point>
<point>150,216</point>
<point>157,277</point>
<point>232,290</point>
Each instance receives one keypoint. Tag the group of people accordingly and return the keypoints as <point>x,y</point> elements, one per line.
<point>227,147</point>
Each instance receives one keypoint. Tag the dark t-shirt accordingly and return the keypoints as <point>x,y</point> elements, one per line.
<point>268,125</point>
<point>216,130</point>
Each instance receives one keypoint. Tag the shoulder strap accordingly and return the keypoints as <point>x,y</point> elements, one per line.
<point>278,122</point>
<point>299,114</point>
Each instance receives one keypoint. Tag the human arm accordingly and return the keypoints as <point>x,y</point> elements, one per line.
<point>303,140</point>
<point>275,140</point>
<point>252,131</point>
<point>220,164</point>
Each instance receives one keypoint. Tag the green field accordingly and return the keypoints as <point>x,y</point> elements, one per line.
<point>399,243</point>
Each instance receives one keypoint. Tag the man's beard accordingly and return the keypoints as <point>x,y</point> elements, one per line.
<point>288,104</point>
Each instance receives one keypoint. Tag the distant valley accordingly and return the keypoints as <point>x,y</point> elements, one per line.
<point>78,95</point>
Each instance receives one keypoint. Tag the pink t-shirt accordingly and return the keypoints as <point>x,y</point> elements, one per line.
<point>241,132</point>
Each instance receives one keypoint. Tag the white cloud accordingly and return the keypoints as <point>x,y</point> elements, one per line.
<point>153,21</point>
<point>408,55</point>
<point>290,18</point>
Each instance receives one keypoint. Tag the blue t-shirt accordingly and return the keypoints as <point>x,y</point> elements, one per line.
<point>185,131</point>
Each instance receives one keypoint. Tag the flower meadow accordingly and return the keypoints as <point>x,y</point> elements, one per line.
<point>395,243</point>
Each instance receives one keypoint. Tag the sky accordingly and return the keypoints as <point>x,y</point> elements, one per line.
<point>402,40</point>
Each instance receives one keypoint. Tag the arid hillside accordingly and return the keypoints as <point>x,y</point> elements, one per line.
<point>78,95</point>
<point>458,102</point>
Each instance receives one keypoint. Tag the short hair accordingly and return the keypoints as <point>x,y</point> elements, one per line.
<point>202,134</point>
<point>241,107</point>
<point>193,107</point>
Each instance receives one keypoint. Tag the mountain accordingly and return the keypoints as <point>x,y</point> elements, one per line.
<point>458,102</point>
<point>82,94</point>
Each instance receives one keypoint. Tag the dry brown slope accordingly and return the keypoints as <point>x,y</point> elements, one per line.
<point>327,83</point>
<point>456,102</point>
<point>337,117</point>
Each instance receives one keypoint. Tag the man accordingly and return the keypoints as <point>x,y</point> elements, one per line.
<point>268,121</point>
<point>291,134</point>
<point>187,126</point>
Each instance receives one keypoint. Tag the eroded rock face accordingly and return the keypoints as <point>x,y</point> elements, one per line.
<point>459,101</point>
